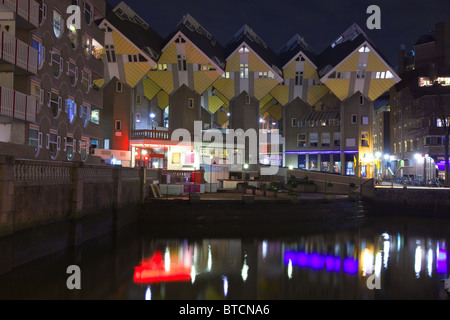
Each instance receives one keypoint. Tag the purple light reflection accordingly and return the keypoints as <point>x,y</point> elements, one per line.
<point>318,261</point>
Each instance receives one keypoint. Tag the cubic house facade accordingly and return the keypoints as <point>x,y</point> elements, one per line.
<point>121,91</point>
<point>50,108</point>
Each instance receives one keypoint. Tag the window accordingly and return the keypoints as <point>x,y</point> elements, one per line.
<point>191,103</point>
<point>95,116</point>
<point>364,49</point>
<point>162,66</point>
<point>37,92</point>
<point>54,102</point>
<point>225,75</point>
<point>243,67</point>
<point>56,63</point>
<point>84,149</point>
<point>364,120</point>
<point>313,139</point>
<point>53,143</point>
<point>326,139</point>
<point>361,99</point>
<point>350,142</point>
<point>247,99</point>
<point>86,43</point>
<point>58,24</point>
<point>364,139</point>
<point>354,119</point>
<point>69,147</point>
<point>298,78</point>
<point>34,137</point>
<point>110,53</point>
<point>337,139</point>
<point>361,71</point>
<point>37,44</point>
<point>42,13</point>
<point>138,99</point>
<point>85,113</point>
<point>86,79</point>
<point>72,72</point>
<point>88,12</point>
<point>440,123</point>
<point>301,140</point>
<point>293,122</point>
<point>244,49</point>
<point>73,36</point>
<point>118,125</point>
<point>118,86</point>
<point>182,63</point>
<point>71,108</point>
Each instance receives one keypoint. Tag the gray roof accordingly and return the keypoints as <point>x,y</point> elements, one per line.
<point>294,46</point>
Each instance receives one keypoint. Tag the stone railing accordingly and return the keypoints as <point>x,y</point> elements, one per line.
<point>39,172</point>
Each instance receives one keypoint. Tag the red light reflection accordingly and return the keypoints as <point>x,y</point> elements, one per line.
<point>153,270</point>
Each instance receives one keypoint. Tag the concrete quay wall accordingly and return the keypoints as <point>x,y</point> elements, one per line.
<point>36,193</point>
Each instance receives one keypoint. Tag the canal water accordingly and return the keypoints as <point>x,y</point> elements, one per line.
<point>364,256</point>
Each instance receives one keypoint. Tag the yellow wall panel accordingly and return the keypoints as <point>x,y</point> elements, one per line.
<point>379,86</point>
<point>122,45</point>
<point>255,64</point>
<point>289,71</point>
<point>201,81</point>
<point>225,86</point>
<point>151,89</point>
<point>224,99</point>
<point>164,79</point>
<point>163,99</point>
<point>276,111</point>
<point>375,64</point>
<point>315,93</point>
<point>263,87</point>
<point>233,63</point>
<point>214,104</point>
<point>350,63</point>
<point>99,82</point>
<point>339,87</point>
<point>222,117</point>
<point>194,56</point>
<point>266,107</point>
<point>309,71</point>
<point>281,94</point>
<point>135,71</point>
<point>169,55</point>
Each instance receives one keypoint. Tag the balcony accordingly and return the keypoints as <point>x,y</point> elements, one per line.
<point>26,9</point>
<point>151,134</point>
<point>17,105</point>
<point>18,53</point>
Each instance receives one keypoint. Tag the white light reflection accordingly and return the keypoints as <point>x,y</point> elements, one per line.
<point>378,264</point>
<point>430,262</point>
<point>209,266</point>
<point>148,294</point>
<point>225,285</point>
<point>289,270</point>
<point>367,262</point>
<point>193,273</point>
<point>386,248</point>
<point>264,249</point>
<point>167,260</point>
<point>418,261</point>
<point>244,272</point>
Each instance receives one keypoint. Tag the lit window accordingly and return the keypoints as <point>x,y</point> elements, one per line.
<point>86,43</point>
<point>37,44</point>
<point>364,49</point>
<point>73,36</point>
<point>225,75</point>
<point>84,149</point>
<point>37,92</point>
<point>243,70</point>
<point>69,147</point>
<point>364,139</point>
<point>244,49</point>
<point>95,116</point>
<point>85,113</point>
<point>58,24</point>
<point>71,108</point>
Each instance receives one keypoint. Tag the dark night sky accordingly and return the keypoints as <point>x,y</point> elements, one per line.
<point>320,22</point>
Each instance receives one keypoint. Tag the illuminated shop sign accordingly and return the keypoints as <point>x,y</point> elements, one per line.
<point>316,261</point>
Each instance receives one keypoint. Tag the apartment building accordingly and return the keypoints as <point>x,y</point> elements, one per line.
<point>420,106</point>
<point>50,108</point>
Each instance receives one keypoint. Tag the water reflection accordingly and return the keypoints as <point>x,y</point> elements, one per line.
<point>324,266</point>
